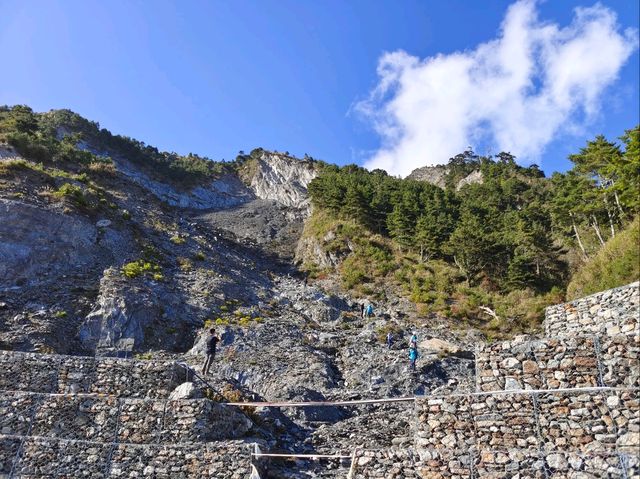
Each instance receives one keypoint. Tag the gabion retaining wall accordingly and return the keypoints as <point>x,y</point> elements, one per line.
<point>391,463</point>
<point>610,312</point>
<point>567,362</point>
<point>496,464</point>
<point>534,433</point>
<point>558,465</point>
<point>108,419</point>
<point>37,457</point>
<point>81,417</point>
<point>80,374</point>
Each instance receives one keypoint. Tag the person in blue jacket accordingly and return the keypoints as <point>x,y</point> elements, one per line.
<point>369,310</point>
<point>413,357</point>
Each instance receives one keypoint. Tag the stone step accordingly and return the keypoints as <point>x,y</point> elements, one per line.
<point>610,312</point>
<point>108,418</point>
<point>579,420</point>
<point>566,362</point>
<point>38,457</point>
<point>50,373</point>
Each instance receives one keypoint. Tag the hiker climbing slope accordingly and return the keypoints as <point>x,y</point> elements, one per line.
<point>369,312</point>
<point>413,357</point>
<point>212,342</point>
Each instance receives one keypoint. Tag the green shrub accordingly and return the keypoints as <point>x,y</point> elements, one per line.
<point>9,166</point>
<point>352,273</point>
<point>177,239</point>
<point>199,256</point>
<point>82,177</point>
<point>185,264</point>
<point>72,192</point>
<point>141,267</point>
<point>60,314</point>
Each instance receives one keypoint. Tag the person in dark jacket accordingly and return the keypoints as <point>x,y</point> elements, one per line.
<point>212,342</point>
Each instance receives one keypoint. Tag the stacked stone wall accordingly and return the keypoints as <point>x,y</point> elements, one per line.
<point>79,417</point>
<point>391,463</point>
<point>565,406</point>
<point>534,432</point>
<point>566,362</point>
<point>506,464</point>
<point>58,458</point>
<point>558,465</point>
<point>107,419</point>
<point>80,374</point>
<point>615,311</point>
<point>619,358</point>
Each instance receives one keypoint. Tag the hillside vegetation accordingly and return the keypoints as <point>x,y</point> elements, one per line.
<point>617,263</point>
<point>495,253</point>
<point>64,137</point>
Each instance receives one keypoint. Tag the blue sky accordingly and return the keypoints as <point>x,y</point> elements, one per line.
<point>214,78</point>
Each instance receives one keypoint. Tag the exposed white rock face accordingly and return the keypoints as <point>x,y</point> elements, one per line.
<point>431,174</point>
<point>283,179</point>
<point>471,178</point>
<point>436,175</point>
<point>278,177</point>
<point>224,192</point>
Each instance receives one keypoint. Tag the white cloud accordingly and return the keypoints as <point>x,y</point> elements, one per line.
<point>517,92</point>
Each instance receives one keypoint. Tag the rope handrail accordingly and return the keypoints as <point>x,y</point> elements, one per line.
<point>319,403</point>
<point>305,456</point>
<point>531,391</point>
<point>334,403</point>
<point>426,396</point>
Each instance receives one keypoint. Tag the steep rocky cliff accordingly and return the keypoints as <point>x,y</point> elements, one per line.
<point>65,238</point>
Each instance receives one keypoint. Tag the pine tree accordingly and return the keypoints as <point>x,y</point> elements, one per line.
<point>355,205</point>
